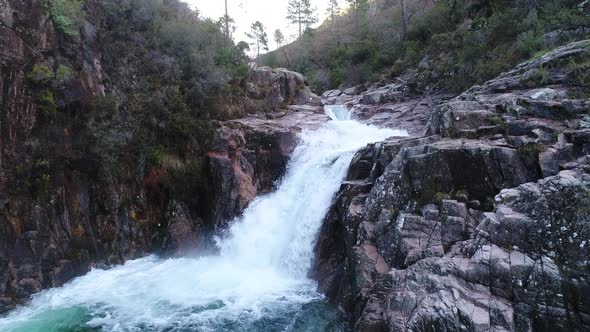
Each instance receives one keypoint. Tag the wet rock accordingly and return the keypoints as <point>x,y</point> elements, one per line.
<point>184,234</point>
<point>484,228</point>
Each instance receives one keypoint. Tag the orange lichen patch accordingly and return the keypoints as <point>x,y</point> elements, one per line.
<point>70,194</point>
<point>78,232</point>
<point>107,233</point>
<point>132,215</point>
<point>245,185</point>
<point>15,222</point>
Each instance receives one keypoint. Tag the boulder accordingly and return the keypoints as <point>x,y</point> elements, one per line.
<point>331,94</point>
<point>269,90</point>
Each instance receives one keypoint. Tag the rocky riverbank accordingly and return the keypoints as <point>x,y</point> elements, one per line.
<point>480,221</point>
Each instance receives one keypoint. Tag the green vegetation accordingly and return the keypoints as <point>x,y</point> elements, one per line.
<point>539,77</point>
<point>580,72</point>
<point>458,43</point>
<point>40,74</point>
<point>47,104</point>
<point>299,12</point>
<point>42,186</point>
<point>184,71</point>
<point>49,86</point>
<point>258,36</point>
<point>167,74</point>
<point>63,75</point>
<point>439,197</point>
<point>66,15</point>
<point>531,150</point>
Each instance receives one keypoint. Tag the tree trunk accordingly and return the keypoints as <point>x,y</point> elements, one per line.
<point>226,41</point>
<point>404,20</point>
<point>299,20</point>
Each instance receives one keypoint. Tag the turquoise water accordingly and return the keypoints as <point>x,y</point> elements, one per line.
<point>310,317</point>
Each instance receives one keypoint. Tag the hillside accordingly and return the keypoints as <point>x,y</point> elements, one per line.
<point>453,44</point>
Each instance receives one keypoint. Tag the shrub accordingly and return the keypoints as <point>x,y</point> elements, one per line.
<point>580,73</point>
<point>539,78</point>
<point>42,186</point>
<point>561,14</point>
<point>336,78</point>
<point>529,43</point>
<point>47,104</point>
<point>66,15</point>
<point>531,150</point>
<point>63,75</point>
<point>361,51</point>
<point>439,197</point>
<point>40,74</point>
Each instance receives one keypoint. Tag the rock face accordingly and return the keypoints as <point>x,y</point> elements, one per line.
<point>479,225</point>
<point>271,89</point>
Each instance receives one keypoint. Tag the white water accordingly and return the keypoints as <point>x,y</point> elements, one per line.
<point>338,112</point>
<point>258,282</point>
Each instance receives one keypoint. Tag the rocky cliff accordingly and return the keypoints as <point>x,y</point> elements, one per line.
<point>109,152</point>
<point>480,221</point>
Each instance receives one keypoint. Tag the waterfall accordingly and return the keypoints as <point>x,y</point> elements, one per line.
<point>257,282</point>
<point>338,112</point>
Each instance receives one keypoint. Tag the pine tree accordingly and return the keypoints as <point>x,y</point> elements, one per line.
<point>258,36</point>
<point>226,17</point>
<point>228,26</point>
<point>300,12</point>
<point>279,38</point>
<point>333,11</point>
<point>359,7</point>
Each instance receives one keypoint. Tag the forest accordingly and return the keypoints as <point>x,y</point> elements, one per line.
<point>456,43</point>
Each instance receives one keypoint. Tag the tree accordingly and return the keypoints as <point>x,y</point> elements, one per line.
<point>228,26</point>
<point>404,19</point>
<point>359,7</point>
<point>226,16</point>
<point>279,38</point>
<point>258,36</point>
<point>333,11</point>
<point>300,12</point>
<point>243,46</point>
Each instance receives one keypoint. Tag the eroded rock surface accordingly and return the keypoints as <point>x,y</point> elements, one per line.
<point>480,225</point>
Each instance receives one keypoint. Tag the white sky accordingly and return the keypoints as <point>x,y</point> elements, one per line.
<point>272,14</point>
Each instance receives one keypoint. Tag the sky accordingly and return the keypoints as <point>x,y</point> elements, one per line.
<point>272,14</point>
